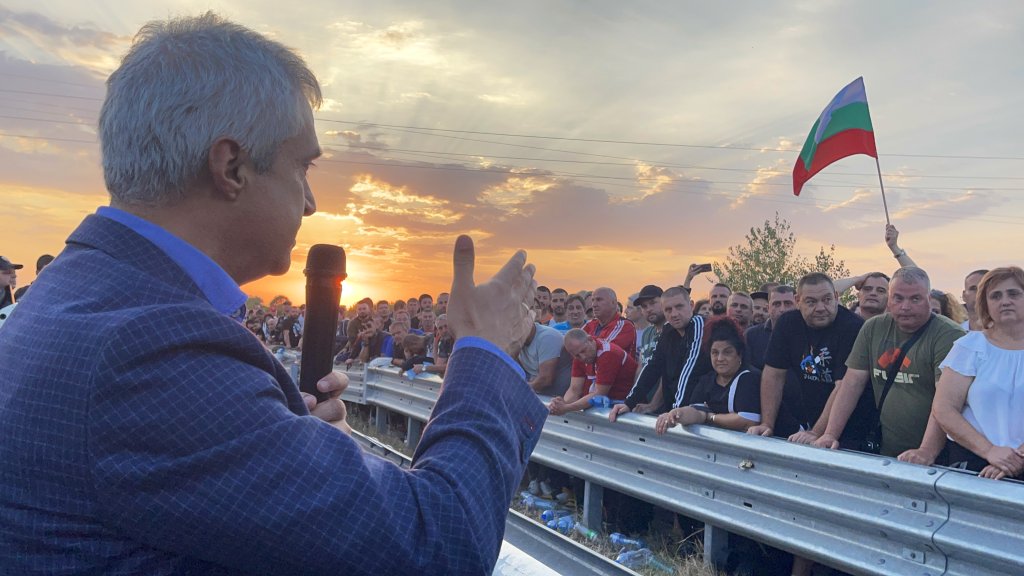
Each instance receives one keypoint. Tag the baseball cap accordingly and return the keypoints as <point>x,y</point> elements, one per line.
<point>6,264</point>
<point>646,293</point>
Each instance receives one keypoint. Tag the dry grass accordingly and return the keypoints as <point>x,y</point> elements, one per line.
<point>663,541</point>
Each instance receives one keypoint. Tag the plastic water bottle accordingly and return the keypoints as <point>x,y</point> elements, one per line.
<point>584,531</point>
<point>602,401</point>
<point>554,514</point>
<point>640,558</point>
<point>534,503</point>
<point>411,372</point>
<point>625,542</point>
<point>564,524</point>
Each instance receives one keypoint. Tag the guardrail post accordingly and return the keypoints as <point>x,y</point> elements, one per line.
<point>593,495</point>
<point>415,430</point>
<point>716,546</point>
<point>381,416</point>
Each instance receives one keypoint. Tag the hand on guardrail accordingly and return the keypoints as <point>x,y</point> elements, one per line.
<point>825,441</point>
<point>615,410</point>
<point>760,430</point>
<point>803,437</point>
<point>991,472</point>
<point>332,410</point>
<point>558,406</point>
<point>665,421</point>
<point>1004,459</point>
<point>917,456</point>
<point>498,310</point>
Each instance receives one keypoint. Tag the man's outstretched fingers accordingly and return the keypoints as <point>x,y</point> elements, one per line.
<point>512,268</point>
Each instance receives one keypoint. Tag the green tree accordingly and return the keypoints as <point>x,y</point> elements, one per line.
<point>278,300</point>
<point>769,255</point>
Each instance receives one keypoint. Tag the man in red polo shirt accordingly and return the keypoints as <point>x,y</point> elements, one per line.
<point>600,368</point>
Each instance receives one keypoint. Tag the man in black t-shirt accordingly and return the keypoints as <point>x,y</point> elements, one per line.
<point>291,331</point>
<point>814,341</point>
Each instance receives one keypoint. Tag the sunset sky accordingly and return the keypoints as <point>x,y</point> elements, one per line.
<point>617,142</point>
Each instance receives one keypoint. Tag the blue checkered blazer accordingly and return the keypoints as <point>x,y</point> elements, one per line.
<point>142,432</point>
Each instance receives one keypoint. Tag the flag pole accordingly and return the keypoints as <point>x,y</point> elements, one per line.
<point>882,186</point>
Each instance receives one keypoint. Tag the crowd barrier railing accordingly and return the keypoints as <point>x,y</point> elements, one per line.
<point>857,512</point>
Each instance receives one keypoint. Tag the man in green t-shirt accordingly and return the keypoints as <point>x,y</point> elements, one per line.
<point>907,429</point>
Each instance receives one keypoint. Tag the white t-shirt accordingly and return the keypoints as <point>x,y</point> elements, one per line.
<point>995,400</point>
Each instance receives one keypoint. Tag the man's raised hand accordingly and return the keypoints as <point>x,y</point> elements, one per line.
<point>497,310</point>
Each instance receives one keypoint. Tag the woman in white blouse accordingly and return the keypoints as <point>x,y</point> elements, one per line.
<point>979,399</point>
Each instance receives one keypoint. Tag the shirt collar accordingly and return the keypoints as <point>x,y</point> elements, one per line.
<point>219,289</point>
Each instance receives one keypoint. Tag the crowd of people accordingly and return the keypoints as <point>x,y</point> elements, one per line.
<point>904,370</point>
<point>890,373</point>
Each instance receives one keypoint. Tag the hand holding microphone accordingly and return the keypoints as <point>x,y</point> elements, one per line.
<point>320,385</point>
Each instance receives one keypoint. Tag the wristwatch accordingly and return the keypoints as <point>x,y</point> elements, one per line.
<point>902,252</point>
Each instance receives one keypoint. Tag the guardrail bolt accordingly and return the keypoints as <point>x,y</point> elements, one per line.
<point>746,465</point>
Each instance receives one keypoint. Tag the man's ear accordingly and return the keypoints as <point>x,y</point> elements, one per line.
<point>229,167</point>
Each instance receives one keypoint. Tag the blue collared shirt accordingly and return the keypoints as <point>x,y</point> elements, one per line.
<point>219,289</point>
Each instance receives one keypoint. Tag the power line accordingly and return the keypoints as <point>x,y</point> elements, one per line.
<point>557,138</point>
<point>49,94</point>
<point>642,143</point>
<point>48,138</point>
<point>61,109</point>
<point>663,179</point>
<point>47,120</point>
<point>52,80</point>
<point>683,166</point>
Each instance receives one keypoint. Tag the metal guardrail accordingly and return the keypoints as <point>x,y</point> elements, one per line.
<point>529,549</point>
<point>858,512</point>
<point>984,534</point>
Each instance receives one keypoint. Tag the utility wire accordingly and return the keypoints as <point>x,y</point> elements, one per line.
<point>641,143</point>
<point>564,138</point>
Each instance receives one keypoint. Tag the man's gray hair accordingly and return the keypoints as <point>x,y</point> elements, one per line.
<point>186,82</point>
<point>912,275</point>
<point>577,334</point>
<point>611,293</point>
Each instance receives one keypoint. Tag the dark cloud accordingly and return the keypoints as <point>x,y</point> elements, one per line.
<point>359,140</point>
<point>33,23</point>
<point>48,41</point>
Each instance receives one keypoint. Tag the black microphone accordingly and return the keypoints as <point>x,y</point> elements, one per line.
<point>325,269</point>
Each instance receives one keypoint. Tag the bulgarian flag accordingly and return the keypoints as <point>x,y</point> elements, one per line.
<point>843,129</point>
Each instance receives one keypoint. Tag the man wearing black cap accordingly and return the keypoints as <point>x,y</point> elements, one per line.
<point>8,281</point>
<point>649,303</point>
<point>760,307</point>
<point>40,264</point>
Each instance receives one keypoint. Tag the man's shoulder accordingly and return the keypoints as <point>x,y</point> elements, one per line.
<point>758,330</point>
<point>791,320</point>
<point>547,336</point>
<point>943,330</point>
<point>847,321</point>
<point>879,323</point>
